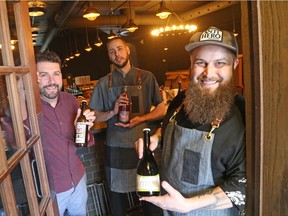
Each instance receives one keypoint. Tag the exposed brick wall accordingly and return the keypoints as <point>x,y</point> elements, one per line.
<point>93,161</point>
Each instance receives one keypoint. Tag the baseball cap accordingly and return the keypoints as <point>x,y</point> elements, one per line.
<point>213,36</point>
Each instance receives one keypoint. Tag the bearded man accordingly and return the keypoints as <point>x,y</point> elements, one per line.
<point>60,111</point>
<point>143,92</point>
<point>203,134</point>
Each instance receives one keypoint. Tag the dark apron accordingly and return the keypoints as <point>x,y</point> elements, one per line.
<point>186,165</point>
<point>121,158</point>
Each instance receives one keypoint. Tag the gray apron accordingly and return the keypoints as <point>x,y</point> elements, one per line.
<point>121,169</point>
<point>186,165</point>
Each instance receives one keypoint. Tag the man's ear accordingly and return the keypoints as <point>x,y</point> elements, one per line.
<point>128,50</point>
<point>236,62</point>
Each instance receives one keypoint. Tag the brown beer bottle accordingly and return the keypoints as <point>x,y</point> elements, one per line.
<point>81,139</point>
<point>147,179</point>
<point>124,110</point>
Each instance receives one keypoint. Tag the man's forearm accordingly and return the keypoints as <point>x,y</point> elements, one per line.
<point>156,113</point>
<point>211,200</point>
<point>104,116</point>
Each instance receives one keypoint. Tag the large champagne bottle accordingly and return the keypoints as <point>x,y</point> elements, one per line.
<point>81,139</point>
<point>148,179</point>
<point>124,110</point>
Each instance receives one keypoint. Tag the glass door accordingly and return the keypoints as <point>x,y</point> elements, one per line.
<point>24,187</point>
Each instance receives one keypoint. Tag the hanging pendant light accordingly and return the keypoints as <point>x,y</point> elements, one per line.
<point>66,43</point>
<point>98,41</point>
<point>163,12</point>
<point>131,26</point>
<point>88,47</point>
<point>67,58</point>
<point>91,13</point>
<point>234,31</point>
<point>70,48</point>
<point>111,35</point>
<point>77,53</point>
<point>36,8</point>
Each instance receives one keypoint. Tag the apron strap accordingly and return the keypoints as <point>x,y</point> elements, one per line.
<point>215,124</point>
<point>110,81</point>
<point>139,80</point>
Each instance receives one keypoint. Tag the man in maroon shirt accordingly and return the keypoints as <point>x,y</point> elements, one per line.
<point>60,110</point>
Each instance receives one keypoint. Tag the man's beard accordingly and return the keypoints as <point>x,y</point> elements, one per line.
<point>203,106</point>
<point>45,94</point>
<point>121,65</point>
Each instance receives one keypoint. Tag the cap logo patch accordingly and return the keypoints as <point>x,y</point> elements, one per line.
<point>212,34</point>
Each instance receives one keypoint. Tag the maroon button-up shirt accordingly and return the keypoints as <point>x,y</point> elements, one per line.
<point>64,167</point>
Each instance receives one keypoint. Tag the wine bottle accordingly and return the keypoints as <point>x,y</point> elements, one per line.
<point>124,110</point>
<point>81,139</point>
<point>147,179</point>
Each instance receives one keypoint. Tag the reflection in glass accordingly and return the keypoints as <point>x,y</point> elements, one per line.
<point>14,42</point>
<point>6,124</point>
<point>19,191</point>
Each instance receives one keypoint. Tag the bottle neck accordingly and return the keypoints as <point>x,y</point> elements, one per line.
<point>146,140</point>
<point>83,107</point>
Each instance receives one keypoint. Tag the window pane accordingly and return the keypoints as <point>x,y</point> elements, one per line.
<point>6,123</point>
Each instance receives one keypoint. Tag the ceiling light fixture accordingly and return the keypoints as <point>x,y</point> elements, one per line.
<point>35,33</point>
<point>173,27</point>
<point>98,41</point>
<point>70,48</point>
<point>36,8</point>
<point>234,31</point>
<point>163,12</point>
<point>88,48</point>
<point>77,53</point>
<point>111,35</point>
<point>90,12</point>
<point>67,58</point>
<point>131,26</point>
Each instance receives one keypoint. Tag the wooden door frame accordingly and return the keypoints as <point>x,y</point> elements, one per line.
<point>250,46</point>
<point>27,70</point>
<point>265,76</point>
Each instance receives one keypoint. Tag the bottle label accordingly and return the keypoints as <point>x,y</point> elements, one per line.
<point>148,183</point>
<point>124,116</point>
<point>80,132</point>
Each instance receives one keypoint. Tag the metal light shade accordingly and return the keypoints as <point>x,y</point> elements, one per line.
<point>71,56</point>
<point>98,42</point>
<point>77,53</point>
<point>111,35</point>
<point>88,48</point>
<point>131,27</point>
<point>67,58</point>
<point>163,12</point>
<point>36,8</point>
<point>91,13</point>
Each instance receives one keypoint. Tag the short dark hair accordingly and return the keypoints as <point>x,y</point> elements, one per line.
<point>116,38</point>
<point>48,56</point>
